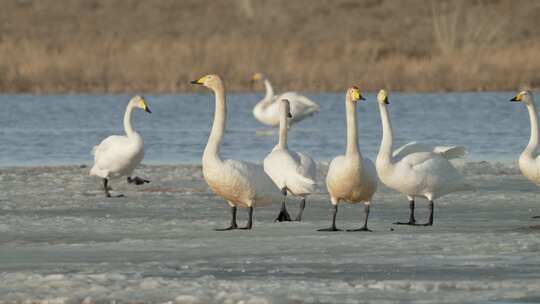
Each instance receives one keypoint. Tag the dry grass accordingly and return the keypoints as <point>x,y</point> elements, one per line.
<point>158,46</point>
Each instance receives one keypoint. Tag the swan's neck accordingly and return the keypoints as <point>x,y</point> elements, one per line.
<point>127,121</point>
<point>211,152</point>
<point>269,91</point>
<point>352,132</point>
<point>533,141</point>
<point>385,151</point>
<point>283,131</point>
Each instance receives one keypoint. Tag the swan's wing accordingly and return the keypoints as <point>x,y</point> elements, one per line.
<point>251,179</point>
<point>447,152</point>
<point>450,152</point>
<point>307,166</point>
<point>112,142</point>
<point>284,168</point>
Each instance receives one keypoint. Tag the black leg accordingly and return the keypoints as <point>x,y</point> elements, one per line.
<point>364,228</point>
<point>136,180</point>
<point>301,211</point>
<point>233,221</point>
<point>430,220</point>
<point>250,219</point>
<point>283,215</point>
<point>412,220</point>
<point>333,227</point>
<point>106,187</point>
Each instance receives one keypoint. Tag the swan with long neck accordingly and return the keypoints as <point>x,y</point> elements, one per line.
<point>351,177</point>
<point>529,163</point>
<point>292,172</point>
<point>267,110</point>
<point>240,183</point>
<point>116,155</point>
<point>416,170</point>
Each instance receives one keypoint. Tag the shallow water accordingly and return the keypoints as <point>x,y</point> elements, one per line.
<point>52,130</point>
<point>62,242</point>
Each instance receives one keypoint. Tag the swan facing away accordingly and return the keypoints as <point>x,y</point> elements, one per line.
<point>291,171</point>
<point>118,155</point>
<point>351,177</point>
<point>529,163</point>
<point>239,183</point>
<point>267,110</point>
<point>417,170</point>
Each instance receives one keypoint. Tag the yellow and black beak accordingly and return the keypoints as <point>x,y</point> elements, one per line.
<point>199,81</point>
<point>147,109</point>
<point>516,98</point>
<point>386,101</point>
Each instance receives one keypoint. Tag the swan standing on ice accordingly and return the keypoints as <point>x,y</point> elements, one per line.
<point>351,177</point>
<point>240,183</point>
<point>529,164</point>
<point>291,171</point>
<point>417,170</point>
<point>118,155</point>
<point>267,110</point>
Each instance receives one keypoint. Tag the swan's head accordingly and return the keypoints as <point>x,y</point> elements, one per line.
<point>258,77</point>
<point>524,96</point>
<point>211,81</point>
<point>286,107</point>
<point>138,101</point>
<point>382,97</point>
<point>354,94</point>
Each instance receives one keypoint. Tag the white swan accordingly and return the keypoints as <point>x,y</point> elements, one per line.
<point>351,177</point>
<point>267,110</point>
<point>240,183</point>
<point>118,155</point>
<point>417,170</point>
<point>529,163</point>
<point>291,171</point>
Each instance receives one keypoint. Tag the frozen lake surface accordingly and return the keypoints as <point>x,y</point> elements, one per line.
<point>62,242</point>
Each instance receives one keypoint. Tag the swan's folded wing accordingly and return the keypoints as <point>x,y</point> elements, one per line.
<point>447,152</point>
<point>450,152</point>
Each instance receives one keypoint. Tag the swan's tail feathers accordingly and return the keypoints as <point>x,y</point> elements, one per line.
<point>451,151</point>
<point>300,185</point>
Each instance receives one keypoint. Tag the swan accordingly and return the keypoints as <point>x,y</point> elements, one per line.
<point>291,171</point>
<point>529,164</point>
<point>351,177</point>
<point>118,155</point>
<point>240,183</point>
<point>417,170</point>
<point>267,110</point>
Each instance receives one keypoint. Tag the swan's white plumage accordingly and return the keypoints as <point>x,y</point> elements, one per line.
<point>448,152</point>
<point>288,169</point>
<point>118,155</point>
<point>240,183</point>
<point>529,162</point>
<point>417,170</point>
<point>351,177</point>
<point>267,110</point>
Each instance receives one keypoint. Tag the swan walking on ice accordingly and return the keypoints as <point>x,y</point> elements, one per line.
<point>529,164</point>
<point>351,177</point>
<point>291,171</point>
<point>267,110</point>
<point>417,170</point>
<point>118,155</point>
<point>240,183</point>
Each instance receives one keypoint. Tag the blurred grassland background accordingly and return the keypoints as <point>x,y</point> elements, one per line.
<point>50,46</point>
